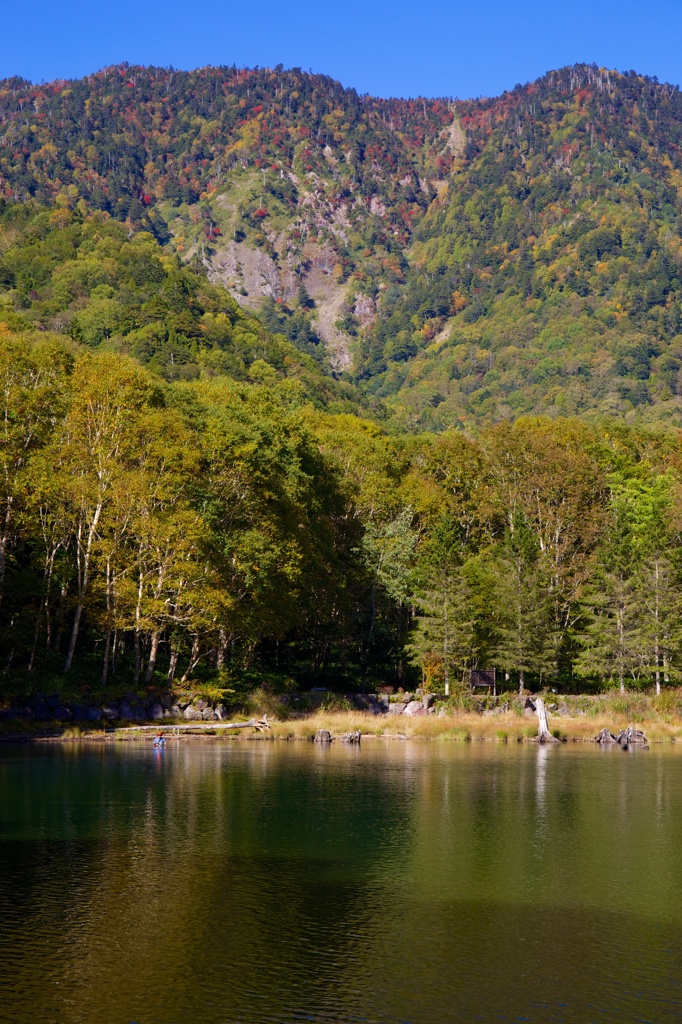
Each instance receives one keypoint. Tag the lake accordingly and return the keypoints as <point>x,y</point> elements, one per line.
<point>248,883</point>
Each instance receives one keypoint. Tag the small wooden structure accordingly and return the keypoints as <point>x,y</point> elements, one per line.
<point>483,679</point>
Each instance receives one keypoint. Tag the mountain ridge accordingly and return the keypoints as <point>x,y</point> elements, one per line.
<point>464,261</point>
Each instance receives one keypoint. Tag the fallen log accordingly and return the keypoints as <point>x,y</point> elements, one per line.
<point>259,724</point>
<point>544,735</point>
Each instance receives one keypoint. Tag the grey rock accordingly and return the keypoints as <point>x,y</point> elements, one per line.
<point>429,700</point>
<point>220,712</point>
<point>79,712</point>
<point>352,737</point>
<point>18,712</point>
<point>563,711</point>
<point>209,715</point>
<point>155,711</point>
<point>41,712</point>
<point>323,736</point>
<point>191,714</point>
<point>137,713</point>
<point>94,714</point>
<point>111,711</point>
<point>415,707</point>
<point>183,702</point>
<point>396,708</point>
<point>62,714</point>
<point>124,709</point>
<point>54,701</point>
<point>200,704</point>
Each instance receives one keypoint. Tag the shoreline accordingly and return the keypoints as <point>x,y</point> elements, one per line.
<point>463,727</point>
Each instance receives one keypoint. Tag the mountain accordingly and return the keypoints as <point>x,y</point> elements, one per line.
<point>463,261</point>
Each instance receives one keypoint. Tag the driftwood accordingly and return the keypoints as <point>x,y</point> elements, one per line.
<point>259,724</point>
<point>544,735</point>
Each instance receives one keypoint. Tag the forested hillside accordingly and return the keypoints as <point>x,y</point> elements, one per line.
<point>466,261</point>
<point>244,317</point>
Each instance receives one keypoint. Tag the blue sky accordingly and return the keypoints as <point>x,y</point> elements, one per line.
<point>432,47</point>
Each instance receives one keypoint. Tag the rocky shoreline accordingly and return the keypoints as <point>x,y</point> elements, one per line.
<point>167,707</point>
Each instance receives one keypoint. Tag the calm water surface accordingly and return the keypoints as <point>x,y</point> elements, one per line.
<point>249,883</point>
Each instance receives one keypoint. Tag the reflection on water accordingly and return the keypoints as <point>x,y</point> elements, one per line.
<point>246,883</point>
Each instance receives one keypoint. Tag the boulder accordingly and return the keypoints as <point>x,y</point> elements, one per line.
<point>220,712</point>
<point>155,711</point>
<point>352,737</point>
<point>124,709</point>
<point>200,704</point>
<point>137,713</point>
<point>111,712</point>
<point>79,713</point>
<point>41,712</point>
<point>396,708</point>
<point>605,737</point>
<point>53,702</point>
<point>209,715</point>
<point>415,707</point>
<point>428,700</point>
<point>62,714</point>
<point>18,712</point>
<point>191,713</point>
<point>323,736</point>
<point>94,714</point>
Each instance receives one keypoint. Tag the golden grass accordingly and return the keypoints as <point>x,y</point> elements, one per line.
<point>506,728</point>
<point>461,727</point>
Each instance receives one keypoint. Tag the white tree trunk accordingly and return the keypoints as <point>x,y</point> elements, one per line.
<point>544,735</point>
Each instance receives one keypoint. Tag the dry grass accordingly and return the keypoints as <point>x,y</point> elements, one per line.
<point>506,728</point>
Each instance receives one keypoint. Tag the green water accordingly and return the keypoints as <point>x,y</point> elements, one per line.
<point>248,883</point>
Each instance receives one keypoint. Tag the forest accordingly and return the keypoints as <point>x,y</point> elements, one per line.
<point>190,491</point>
<point>231,530</point>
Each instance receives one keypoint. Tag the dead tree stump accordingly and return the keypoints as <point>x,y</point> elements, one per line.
<point>605,737</point>
<point>544,735</point>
